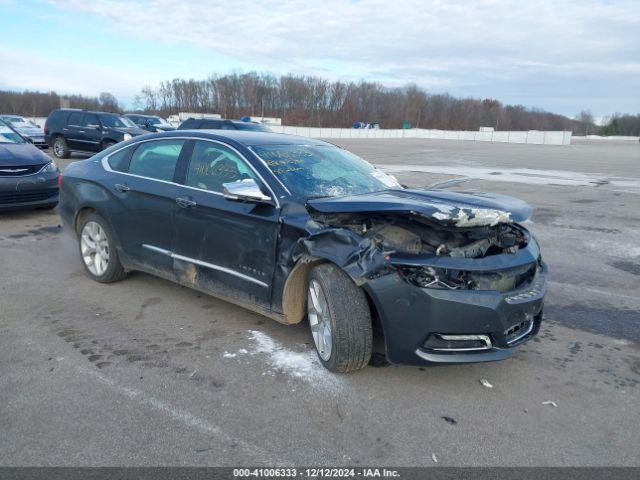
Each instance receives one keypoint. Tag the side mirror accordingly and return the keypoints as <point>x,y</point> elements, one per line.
<point>246,189</point>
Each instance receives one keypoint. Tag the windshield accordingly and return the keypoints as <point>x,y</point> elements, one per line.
<point>159,121</point>
<point>313,171</point>
<point>9,136</point>
<point>14,120</point>
<point>116,121</point>
<point>256,127</point>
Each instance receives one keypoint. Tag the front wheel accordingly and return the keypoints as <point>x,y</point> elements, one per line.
<point>340,320</point>
<point>107,143</point>
<point>98,252</point>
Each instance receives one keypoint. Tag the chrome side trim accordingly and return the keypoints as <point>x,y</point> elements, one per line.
<point>157,249</point>
<point>105,164</point>
<point>205,264</point>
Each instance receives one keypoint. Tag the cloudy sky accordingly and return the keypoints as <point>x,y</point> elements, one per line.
<point>562,56</point>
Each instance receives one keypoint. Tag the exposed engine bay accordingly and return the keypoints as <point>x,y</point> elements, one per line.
<point>416,235</point>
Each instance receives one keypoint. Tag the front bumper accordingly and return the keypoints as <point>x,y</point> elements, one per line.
<point>29,191</point>
<point>411,315</point>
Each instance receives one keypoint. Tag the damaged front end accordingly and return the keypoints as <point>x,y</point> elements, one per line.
<point>451,282</point>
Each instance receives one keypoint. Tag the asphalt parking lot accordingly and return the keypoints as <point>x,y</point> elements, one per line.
<point>146,372</point>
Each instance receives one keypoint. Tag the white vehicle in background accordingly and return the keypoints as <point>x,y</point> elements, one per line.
<point>29,130</point>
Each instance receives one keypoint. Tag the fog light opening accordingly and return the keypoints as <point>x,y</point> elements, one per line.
<point>439,342</point>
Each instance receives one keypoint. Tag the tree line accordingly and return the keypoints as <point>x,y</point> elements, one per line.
<point>618,124</point>
<point>41,104</point>
<point>314,101</point>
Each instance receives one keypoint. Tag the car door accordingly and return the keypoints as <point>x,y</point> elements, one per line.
<point>71,131</point>
<point>90,132</point>
<point>143,182</point>
<point>227,247</point>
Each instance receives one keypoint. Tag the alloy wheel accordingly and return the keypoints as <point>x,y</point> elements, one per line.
<point>58,148</point>
<point>94,247</point>
<point>319,320</point>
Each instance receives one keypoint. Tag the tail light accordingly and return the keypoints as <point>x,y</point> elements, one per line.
<point>46,129</point>
<point>60,180</point>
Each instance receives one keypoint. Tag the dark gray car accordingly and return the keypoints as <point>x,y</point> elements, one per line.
<point>28,177</point>
<point>296,228</point>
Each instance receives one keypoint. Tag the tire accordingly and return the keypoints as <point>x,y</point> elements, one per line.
<point>347,311</point>
<point>60,147</point>
<point>107,143</point>
<point>103,238</point>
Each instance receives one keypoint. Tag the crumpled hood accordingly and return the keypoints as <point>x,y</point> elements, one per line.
<point>460,209</point>
<point>18,154</point>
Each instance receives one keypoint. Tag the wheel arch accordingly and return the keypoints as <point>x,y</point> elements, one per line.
<point>294,296</point>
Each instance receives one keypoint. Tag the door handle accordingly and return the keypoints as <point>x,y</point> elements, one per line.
<point>122,187</point>
<point>185,202</point>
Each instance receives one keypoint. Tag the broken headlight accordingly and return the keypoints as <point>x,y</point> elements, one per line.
<point>430,277</point>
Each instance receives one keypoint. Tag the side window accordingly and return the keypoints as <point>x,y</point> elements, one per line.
<point>90,120</point>
<point>75,118</point>
<point>119,161</point>
<point>156,159</point>
<point>213,164</point>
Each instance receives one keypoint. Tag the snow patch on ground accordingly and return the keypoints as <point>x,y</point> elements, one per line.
<point>303,365</point>
<point>520,175</point>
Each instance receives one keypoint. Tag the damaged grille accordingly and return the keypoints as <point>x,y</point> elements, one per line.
<point>505,280</point>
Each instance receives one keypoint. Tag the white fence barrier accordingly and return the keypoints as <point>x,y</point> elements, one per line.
<point>532,136</point>
<point>610,138</point>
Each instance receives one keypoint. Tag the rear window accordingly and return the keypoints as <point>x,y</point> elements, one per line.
<point>156,159</point>
<point>254,127</point>
<point>119,161</point>
<point>189,123</point>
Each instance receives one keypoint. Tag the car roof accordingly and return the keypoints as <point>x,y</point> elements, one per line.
<point>250,138</point>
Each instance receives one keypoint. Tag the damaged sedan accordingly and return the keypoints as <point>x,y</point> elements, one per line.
<point>302,230</point>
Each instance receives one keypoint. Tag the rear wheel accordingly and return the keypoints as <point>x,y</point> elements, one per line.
<point>339,318</point>
<point>60,147</point>
<point>98,252</point>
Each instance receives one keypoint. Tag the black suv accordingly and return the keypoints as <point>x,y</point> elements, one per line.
<point>68,130</point>
<point>150,123</point>
<point>221,124</point>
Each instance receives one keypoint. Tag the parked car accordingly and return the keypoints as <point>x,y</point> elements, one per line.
<point>69,130</point>
<point>221,124</point>
<point>28,177</point>
<point>151,123</point>
<point>297,228</point>
<point>29,130</point>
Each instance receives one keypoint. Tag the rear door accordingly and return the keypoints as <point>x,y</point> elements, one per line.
<point>225,246</point>
<point>147,192</point>
<point>72,131</point>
